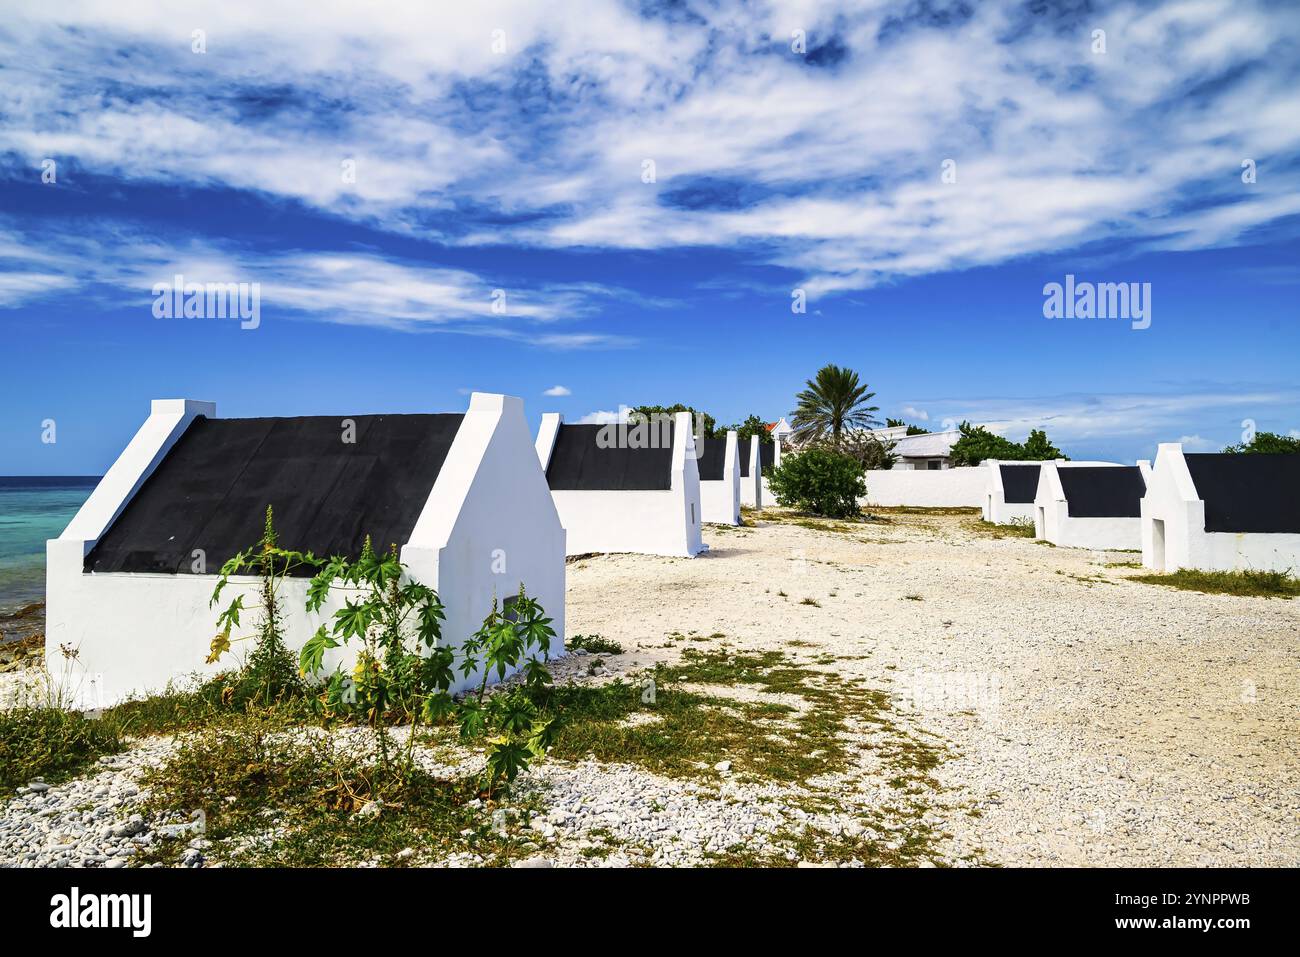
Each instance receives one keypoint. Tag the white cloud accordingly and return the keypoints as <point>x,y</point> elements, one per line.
<point>603,417</point>
<point>914,413</point>
<point>839,168</point>
<point>557,390</point>
<point>1127,418</point>
<point>1194,443</point>
<point>357,288</point>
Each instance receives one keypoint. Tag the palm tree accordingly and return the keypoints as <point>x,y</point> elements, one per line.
<point>833,402</point>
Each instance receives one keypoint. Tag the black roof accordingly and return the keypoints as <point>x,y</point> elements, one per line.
<point>211,490</point>
<point>587,460</point>
<point>1250,492</point>
<point>711,458</point>
<point>1019,482</point>
<point>1103,491</point>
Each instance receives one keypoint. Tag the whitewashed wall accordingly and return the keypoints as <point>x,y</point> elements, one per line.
<point>490,525</point>
<point>923,488</point>
<point>1172,500</point>
<point>751,486</point>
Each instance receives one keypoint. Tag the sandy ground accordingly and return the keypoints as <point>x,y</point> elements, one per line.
<point>1094,721</point>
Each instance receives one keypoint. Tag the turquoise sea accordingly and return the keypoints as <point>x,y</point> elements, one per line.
<point>32,509</point>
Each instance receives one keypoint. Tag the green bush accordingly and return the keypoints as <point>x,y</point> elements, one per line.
<point>821,481</point>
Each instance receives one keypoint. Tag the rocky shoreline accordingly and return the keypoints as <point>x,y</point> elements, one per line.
<point>21,625</point>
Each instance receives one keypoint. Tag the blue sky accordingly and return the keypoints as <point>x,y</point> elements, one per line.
<point>794,146</point>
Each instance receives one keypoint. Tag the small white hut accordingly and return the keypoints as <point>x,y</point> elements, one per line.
<point>129,581</point>
<point>625,486</point>
<point>718,462</point>
<point>1083,505</point>
<point>1222,512</point>
<point>1010,491</point>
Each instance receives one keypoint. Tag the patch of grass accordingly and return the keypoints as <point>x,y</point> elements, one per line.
<point>922,510</point>
<point>221,697</point>
<point>595,644</point>
<point>1018,529</point>
<point>1088,580</point>
<point>819,524</point>
<point>52,744</point>
<point>914,597</point>
<point>1122,565</point>
<point>764,740</point>
<point>277,795</point>
<point>874,846</point>
<point>811,601</point>
<point>1255,584</point>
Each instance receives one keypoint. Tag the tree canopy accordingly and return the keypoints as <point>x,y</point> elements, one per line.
<point>1266,443</point>
<point>648,412</point>
<point>978,443</point>
<point>834,402</point>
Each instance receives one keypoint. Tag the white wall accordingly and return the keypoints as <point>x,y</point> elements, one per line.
<point>720,498</point>
<point>134,633</point>
<point>1173,501</point>
<point>921,488</point>
<point>645,522</point>
<point>1053,522</point>
<point>751,486</point>
<point>490,525</point>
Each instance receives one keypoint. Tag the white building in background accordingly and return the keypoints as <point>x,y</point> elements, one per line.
<point>1010,491</point>
<point>624,487</point>
<point>782,434</point>
<point>129,581</point>
<point>751,472</point>
<point>1222,512</point>
<point>1087,505</point>
<point>927,451</point>
<point>718,462</point>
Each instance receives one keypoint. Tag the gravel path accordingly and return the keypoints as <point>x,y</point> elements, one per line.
<point>1097,721</point>
<point>1092,721</point>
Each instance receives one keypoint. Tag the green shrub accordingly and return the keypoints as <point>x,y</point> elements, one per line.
<point>269,672</point>
<point>596,644</point>
<point>978,443</point>
<point>821,481</point>
<point>51,743</point>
